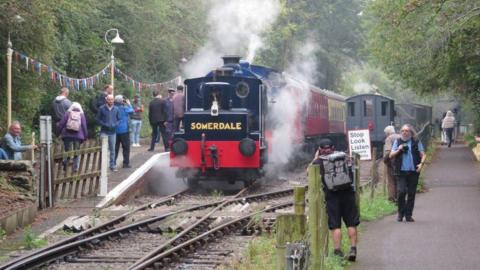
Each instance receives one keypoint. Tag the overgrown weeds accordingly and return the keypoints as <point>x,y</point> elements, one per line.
<point>31,240</point>
<point>260,254</point>
<point>470,140</point>
<point>3,233</point>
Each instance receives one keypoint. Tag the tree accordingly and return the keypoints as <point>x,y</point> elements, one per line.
<point>68,35</point>
<point>431,46</point>
<point>333,26</point>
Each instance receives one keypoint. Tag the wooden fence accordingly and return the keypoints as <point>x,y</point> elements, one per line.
<point>71,184</point>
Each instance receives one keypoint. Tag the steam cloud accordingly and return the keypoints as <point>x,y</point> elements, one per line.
<point>236,28</point>
<point>291,102</point>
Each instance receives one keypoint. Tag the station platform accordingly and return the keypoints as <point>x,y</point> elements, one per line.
<point>447,217</point>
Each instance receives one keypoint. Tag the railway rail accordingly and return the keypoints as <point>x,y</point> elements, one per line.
<point>156,240</point>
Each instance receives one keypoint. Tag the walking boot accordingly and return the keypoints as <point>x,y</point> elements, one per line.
<point>338,252</point>
<point>400,218</point>
<point>352,255</point>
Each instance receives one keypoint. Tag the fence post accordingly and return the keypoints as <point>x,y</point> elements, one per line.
<point>356,166</point>
<point>103,167</point>
<point>299,200</point>
<point>374,173</point>
<point>317,219</point>
<point>291,227</point>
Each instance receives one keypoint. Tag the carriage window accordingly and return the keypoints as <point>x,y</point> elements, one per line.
<point>368,107</point>
<point>351,108</point>
<point>384,107</point>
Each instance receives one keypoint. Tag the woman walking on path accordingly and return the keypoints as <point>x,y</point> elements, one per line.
<point>73,131</point>
<point>448,124</point>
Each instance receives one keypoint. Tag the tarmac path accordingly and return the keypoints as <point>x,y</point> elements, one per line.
<point>446,231</point>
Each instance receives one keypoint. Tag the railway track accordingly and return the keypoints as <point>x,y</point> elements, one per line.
<point>158,240</point>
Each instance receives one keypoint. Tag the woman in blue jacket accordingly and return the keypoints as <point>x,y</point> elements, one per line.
<point>122,131</point>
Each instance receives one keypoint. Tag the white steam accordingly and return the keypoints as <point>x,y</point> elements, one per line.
<point>292,103</point>
<point>363,87</point>
<point>236,27</point>
<point>161,178</point>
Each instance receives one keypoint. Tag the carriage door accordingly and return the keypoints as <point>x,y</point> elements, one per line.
<point>384,116</point>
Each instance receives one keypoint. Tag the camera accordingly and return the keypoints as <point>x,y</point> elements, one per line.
<point>405,147</point>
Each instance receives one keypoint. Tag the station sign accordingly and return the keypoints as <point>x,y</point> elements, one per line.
<point>359,142</point>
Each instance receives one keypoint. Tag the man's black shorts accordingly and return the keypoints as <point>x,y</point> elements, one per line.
<point>341,205</point>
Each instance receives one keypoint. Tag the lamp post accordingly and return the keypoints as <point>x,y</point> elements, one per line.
<point>115,40</point>
<point>16,19</point>
<point>9,81</point>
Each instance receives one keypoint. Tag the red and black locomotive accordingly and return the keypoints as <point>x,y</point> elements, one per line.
<point>227,130</point>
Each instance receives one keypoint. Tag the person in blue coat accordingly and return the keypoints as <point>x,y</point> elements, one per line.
<point>123,136</point>
<point>108,117</point>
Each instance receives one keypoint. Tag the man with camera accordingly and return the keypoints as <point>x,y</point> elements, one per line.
<point>409,157</point>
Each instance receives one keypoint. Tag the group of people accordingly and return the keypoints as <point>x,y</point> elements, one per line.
<point>165,116</point>
<point>119,120</point>
<point>405,157</point>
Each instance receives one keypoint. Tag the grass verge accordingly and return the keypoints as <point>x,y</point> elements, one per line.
<point>261,252</point>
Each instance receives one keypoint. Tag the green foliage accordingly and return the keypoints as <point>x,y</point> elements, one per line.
<point>260,254</point>
<point>216,193</point>
<point>334,28</point>
<point>68,35</point>
<point>379,206</point>
<point>31,240</point>
<point>470,140</point>
<point>428,45</point>
<point>3,233</point>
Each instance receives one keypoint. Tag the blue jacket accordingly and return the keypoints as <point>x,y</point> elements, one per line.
<point>124,111</point>
<point>108,119</point>
<point>13,146</point>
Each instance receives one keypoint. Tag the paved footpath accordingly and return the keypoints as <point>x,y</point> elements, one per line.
<point>446,231</point>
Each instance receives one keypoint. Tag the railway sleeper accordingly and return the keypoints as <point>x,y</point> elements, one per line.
<point>157,265</point>
<point>204,261</point>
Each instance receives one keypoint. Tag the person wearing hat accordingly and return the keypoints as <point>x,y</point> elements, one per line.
<point>340,204</point>
<point>123,137</point>
<point>169,103</point>
<point>136,121</point>
<point>178,107</point>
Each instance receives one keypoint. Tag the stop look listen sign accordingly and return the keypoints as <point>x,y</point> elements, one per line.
<point>359,142</point>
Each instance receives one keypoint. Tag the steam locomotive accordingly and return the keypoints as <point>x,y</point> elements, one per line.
<point>230,121</point>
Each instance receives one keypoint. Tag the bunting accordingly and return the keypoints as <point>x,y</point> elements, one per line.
<point>139,86</point>
<point>91,81</point>
<point>57,77</point>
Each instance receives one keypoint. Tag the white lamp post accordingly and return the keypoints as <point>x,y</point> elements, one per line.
<point>16,19</point>
<point>115,40</point>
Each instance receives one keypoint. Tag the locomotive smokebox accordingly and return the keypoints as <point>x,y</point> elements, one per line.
<point>231,59</point>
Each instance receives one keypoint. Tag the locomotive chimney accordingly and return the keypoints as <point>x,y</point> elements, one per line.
<point>231,59</point>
